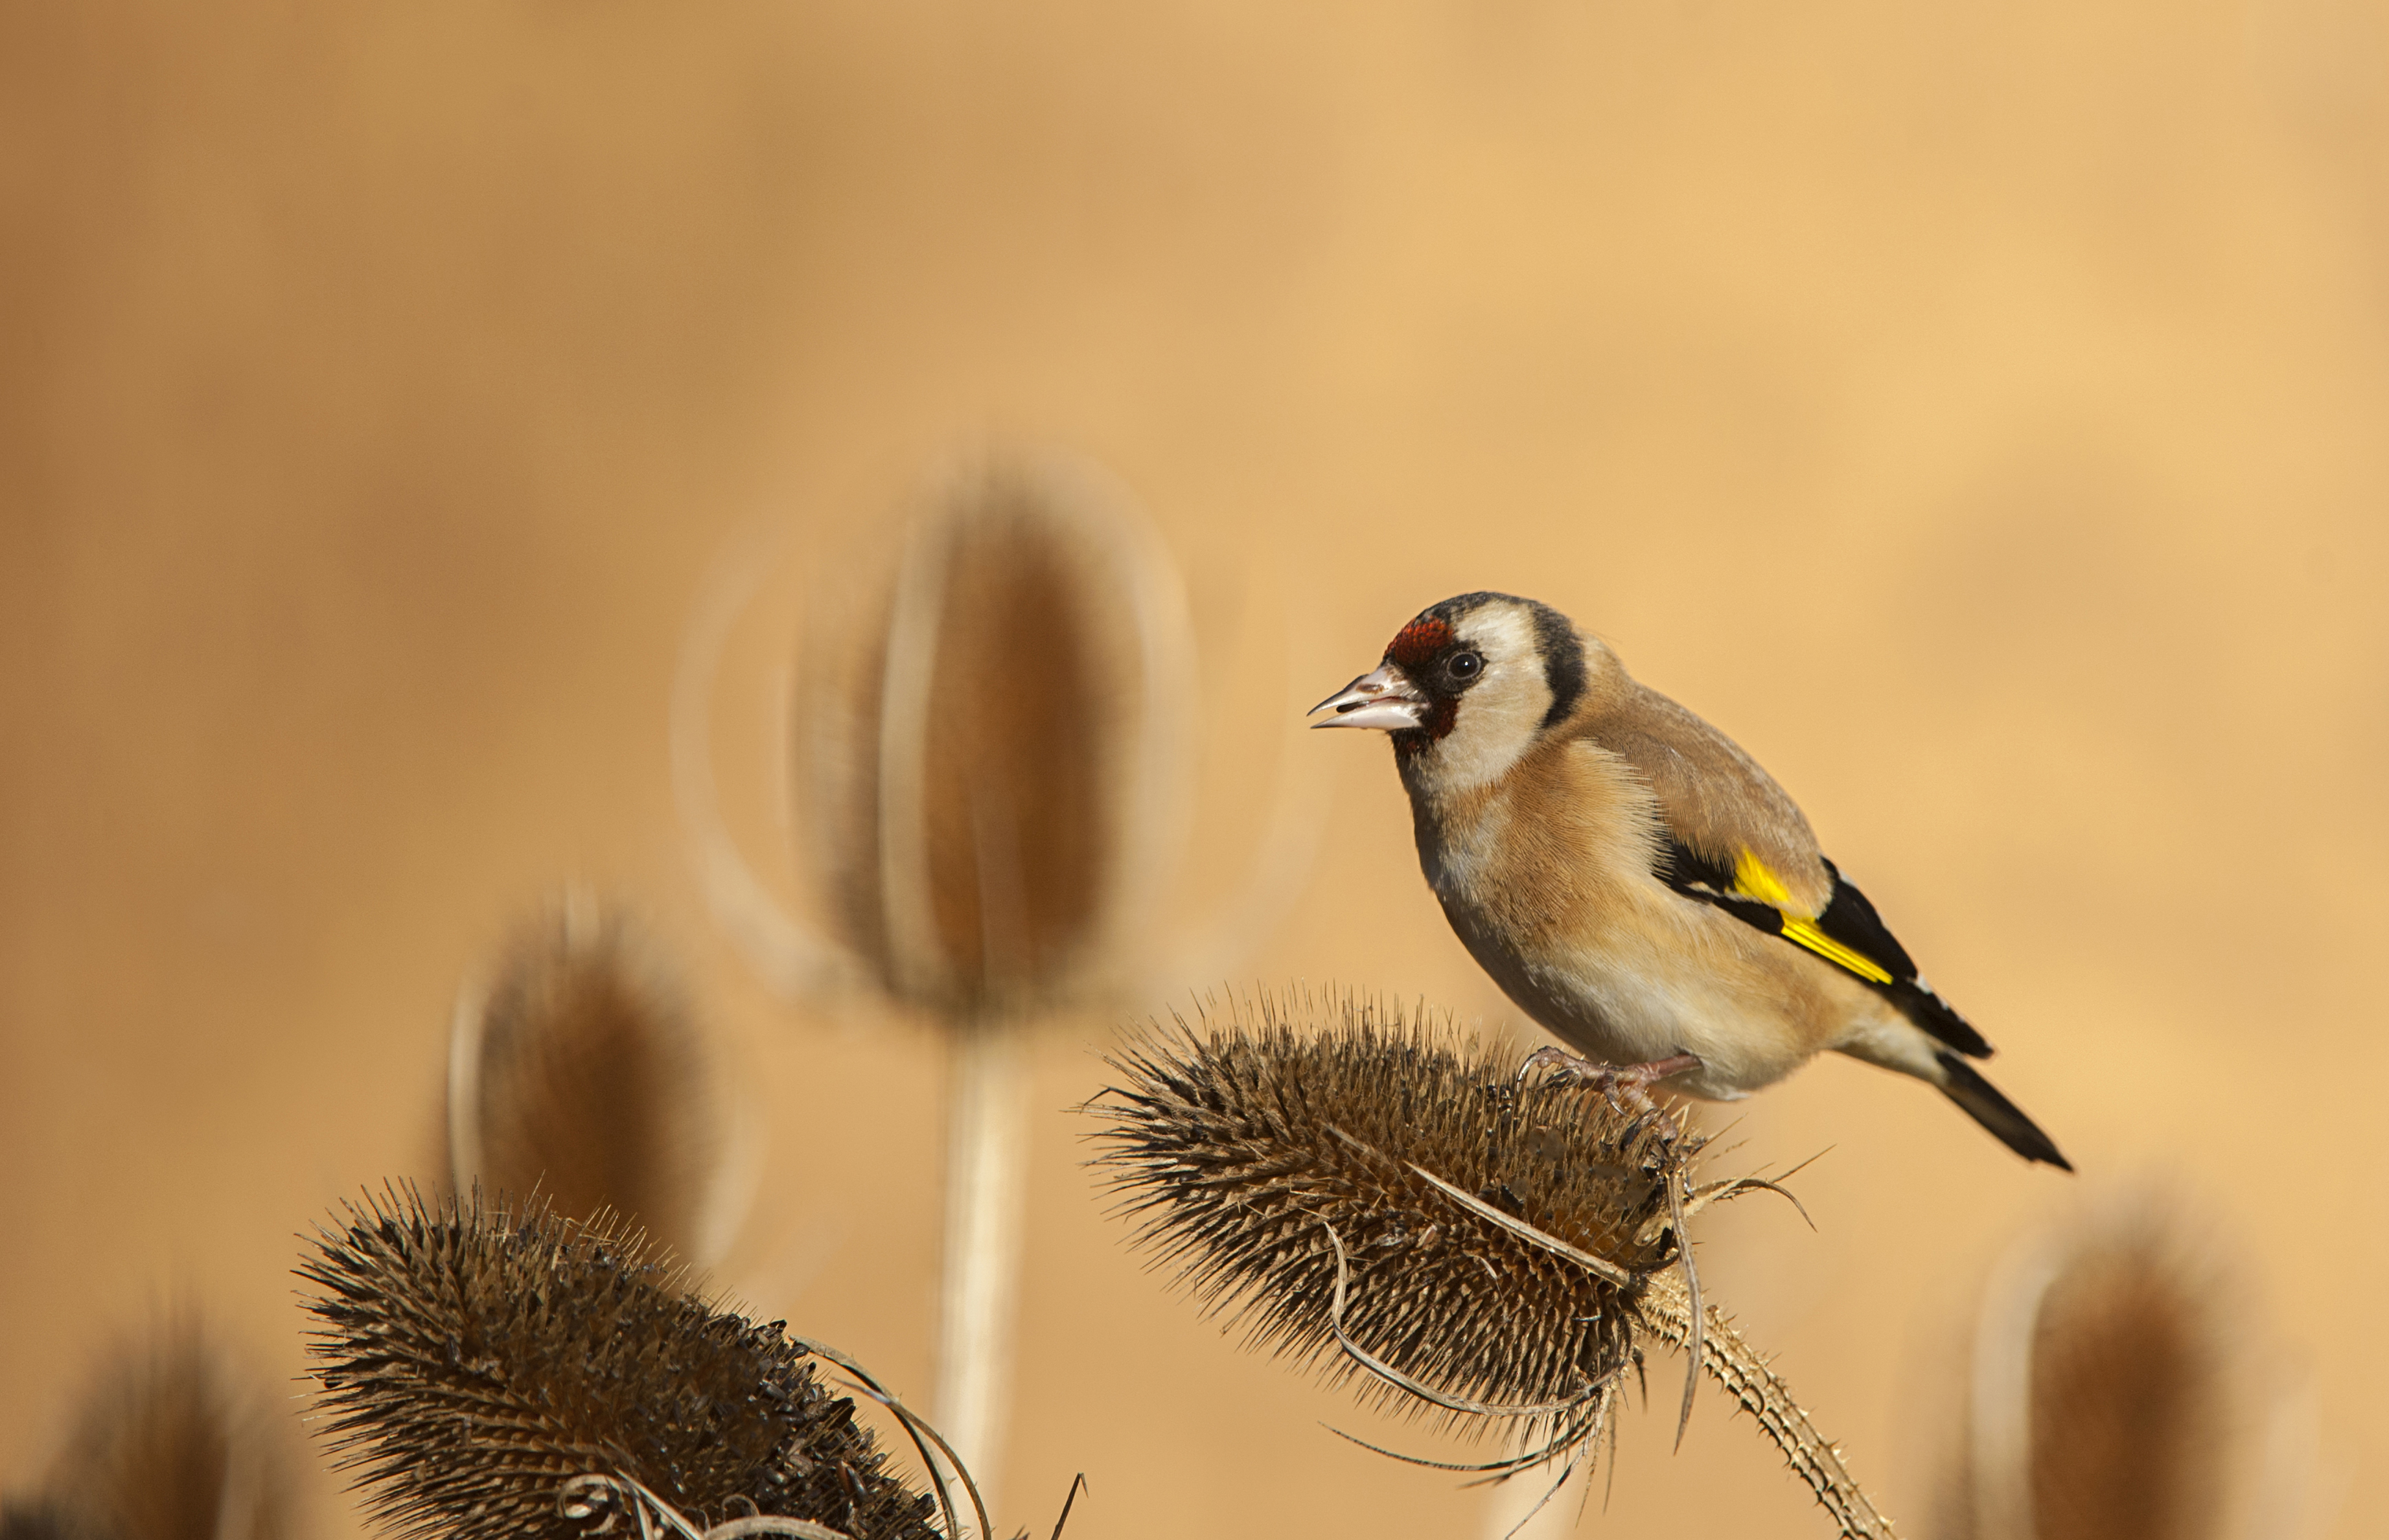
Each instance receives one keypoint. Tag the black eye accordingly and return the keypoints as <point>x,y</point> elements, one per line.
<point>1464,666</point>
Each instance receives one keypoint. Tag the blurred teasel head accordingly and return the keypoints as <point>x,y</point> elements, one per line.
<point>1378,1195</point>
<point>996,773</point>
<point>2109,1385</point>
<point>575,1071</point>
<point>499,1375</point>
<point>172,1441</point>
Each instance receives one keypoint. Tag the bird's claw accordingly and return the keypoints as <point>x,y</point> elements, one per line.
<point>1627,1087</point>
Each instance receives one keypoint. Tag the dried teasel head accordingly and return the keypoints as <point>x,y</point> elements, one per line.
<point>2110,1385</point>
<point>1373,1193</point>
<point>997,775</point>
<point>1252,1152</point>
<point>576,1072</point>
<point>501,1376</point>
<point>171,1442</point>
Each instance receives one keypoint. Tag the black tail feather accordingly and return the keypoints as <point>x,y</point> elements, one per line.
<point>1984,1103</point>
<point>1917,1001</point>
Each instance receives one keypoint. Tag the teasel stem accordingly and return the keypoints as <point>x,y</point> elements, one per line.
<point>986,1167</point>
<point>1665,1309</point>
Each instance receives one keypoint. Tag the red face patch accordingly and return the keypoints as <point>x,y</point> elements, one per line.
<point>1420,643</point>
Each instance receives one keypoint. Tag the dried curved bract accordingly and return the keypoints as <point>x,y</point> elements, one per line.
<point>1292,822</point>
<point>788,954</point>
<point>2110,1386</point>
<point>997,767</point>
<point>171,1442</point>
<point>1374,1195</point>
<point>501,1376</point>
<point>576,1072</point>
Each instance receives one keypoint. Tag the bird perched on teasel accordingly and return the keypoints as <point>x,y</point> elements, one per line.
<point>1371,1194</point>
<point>1634,881</point>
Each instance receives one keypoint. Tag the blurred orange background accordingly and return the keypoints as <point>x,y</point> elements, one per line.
<point>1981,413</point>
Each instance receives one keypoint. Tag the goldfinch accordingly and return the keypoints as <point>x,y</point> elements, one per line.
<point>1633,880</point>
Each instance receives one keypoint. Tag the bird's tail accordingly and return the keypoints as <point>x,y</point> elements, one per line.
<point>1984,1103</point>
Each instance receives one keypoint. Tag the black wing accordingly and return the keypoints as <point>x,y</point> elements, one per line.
<point>1849,935</point>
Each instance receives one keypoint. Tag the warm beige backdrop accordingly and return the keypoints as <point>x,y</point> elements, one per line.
<point>1982,410</point>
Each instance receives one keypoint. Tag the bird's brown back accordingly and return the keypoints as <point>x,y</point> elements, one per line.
<point>1715,798</point>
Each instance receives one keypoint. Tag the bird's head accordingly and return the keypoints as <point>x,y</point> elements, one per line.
<point>1467,687</point>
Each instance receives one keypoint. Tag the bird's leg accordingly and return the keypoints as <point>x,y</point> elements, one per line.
<point>1627,1087</point>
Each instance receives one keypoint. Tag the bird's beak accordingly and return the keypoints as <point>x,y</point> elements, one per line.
<point>1383,698</point>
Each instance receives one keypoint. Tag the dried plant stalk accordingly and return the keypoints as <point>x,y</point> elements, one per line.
<point>577,1072</point>
<point>171,1442</point>
<point>494,1376</point>
<point>985,1182</point>
<point>1664,1310</point>
<point>1375,1196</point>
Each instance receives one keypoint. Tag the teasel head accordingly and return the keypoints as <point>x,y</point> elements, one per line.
<point>1375,1195</point>
<point>996,761</point>
<point>577,1072</point>
<point>2111,1387</point>
<point>991,782</point>
<point>494,1374</point>
<point>987,752</point>
<point>172,1439</point>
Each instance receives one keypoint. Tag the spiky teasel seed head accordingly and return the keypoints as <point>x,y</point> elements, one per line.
<point>1252,1151</point>
<point>172,1440</point>
<point>994,767</point>
<point>474,1361</point>
<point>576,1072</point>
<point>1378,1193</point>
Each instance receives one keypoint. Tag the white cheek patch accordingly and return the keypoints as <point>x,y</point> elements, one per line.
<point>1499,715</point>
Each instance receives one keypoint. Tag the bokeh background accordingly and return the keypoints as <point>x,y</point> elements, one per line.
<point>1980,411</point>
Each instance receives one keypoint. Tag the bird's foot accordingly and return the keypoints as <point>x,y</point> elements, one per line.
<point>1627,1087</point>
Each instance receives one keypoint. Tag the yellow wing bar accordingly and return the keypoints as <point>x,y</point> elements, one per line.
<point>1807,935</point>
<point>1754,879</point>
